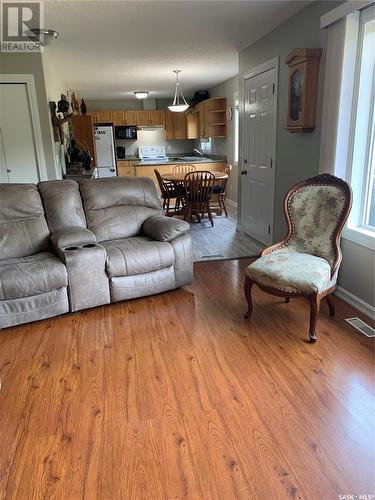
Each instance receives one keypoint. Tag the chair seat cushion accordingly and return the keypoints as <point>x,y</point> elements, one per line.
<point>292,272</point>
<point>33,275</point>
<point>137,255</point>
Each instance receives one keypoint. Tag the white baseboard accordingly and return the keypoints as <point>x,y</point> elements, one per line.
<point>232,203</point>
<point>356,302</point>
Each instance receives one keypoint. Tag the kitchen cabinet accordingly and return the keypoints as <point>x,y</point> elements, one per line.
<point>83,133</point>
<point>103,116</point>
<point>130,118</point>
<point>118,117</point>
<point>192,125</point>
<point>125,168</point>
<point>150,117</point>
<point>212,117</point>
<point>175,125</point>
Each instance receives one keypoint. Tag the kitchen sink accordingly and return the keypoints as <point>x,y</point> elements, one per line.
<point>193,158</point>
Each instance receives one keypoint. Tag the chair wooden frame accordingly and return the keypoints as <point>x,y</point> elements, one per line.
<point>198,191</point>
<point>222,194</point>
<point>313,298</point>
<point>169,191</point>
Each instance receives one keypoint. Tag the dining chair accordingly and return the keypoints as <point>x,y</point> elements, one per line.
<point>220,188</point>
<point>171,191</point>
<point>306,262</point>
<point>183,169</point>
<point>198,193</point>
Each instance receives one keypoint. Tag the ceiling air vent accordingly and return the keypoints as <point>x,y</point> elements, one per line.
<point>360,325</point>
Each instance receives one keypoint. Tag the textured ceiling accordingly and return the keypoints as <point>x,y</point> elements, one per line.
<point>107,49</point>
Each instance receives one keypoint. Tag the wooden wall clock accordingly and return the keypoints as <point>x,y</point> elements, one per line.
<point>303,89</point>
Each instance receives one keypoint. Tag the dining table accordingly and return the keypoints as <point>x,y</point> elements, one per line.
<point>180,176</point>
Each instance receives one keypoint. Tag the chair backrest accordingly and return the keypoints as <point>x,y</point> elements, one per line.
<point>316,212</point>
<point>23,227</point>
<point>161,183</point>
<point>62,204</point>
<point>116,207</point>
<point>183,169</point>
<point>223,182</point>
<point>228,169</point>
<point>199,186</point>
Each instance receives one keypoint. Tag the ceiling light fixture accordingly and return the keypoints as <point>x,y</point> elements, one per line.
<point>179,101</point>
<point>141,94</point>
<point>44,35</point>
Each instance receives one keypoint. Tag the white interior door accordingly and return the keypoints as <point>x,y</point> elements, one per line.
<point>18,159</point>
<point>258,173</point>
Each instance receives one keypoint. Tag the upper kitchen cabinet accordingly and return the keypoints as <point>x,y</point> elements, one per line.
<point>130,118</point>
<point>192,125</point>
<point>175,125</point>
<point>118,117</point>
<point>150,117</point>
<point>103,116</point>
<point>212,117</point>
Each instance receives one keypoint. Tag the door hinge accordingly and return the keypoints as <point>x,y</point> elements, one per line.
<point>271,162</point>
<point>273,88</point>
<point>269,229</point>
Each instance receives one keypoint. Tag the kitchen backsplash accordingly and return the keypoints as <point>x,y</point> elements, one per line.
<point>155,137</point>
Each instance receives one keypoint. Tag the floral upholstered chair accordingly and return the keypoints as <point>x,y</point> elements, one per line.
<point>306,262</point>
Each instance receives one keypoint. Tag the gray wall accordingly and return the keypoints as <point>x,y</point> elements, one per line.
<point>297,155</point>
<point>226,146</point>
<point>32,64</point>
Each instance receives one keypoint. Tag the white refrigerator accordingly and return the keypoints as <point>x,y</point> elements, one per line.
<point>105,151</point>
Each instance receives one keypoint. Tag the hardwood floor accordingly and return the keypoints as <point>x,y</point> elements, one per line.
<point>177,396</point>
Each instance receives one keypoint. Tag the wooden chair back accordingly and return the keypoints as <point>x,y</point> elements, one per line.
<point>199,186</point>
<point>183,169</point>
<point>161,183</point>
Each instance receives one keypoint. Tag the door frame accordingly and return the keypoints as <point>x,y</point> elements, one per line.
<point>28,80</point>
<point>255,71</point>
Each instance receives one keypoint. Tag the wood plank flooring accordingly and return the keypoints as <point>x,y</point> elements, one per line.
<point>176,396</point>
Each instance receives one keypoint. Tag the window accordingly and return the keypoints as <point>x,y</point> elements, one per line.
<point>361,157</point>
<point>236,122</point>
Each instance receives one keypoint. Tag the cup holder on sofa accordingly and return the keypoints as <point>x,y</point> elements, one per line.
<point>89,245</point>
<point>69,249</point>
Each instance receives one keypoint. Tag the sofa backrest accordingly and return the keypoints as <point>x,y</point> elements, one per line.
<point>117,207</point>
<point>62,204</point>
<point>23,227</point>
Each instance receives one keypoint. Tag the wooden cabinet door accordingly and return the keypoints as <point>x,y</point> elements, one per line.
<point>169,128</point>
<point>130,118</point>
<point>202,109</point>
<point>143,118</point>
<point>192,125</point>
<point>103,117</point>
<point>118,117</point>
<point>83,133</point>
<point>179,125</point>
<point>157,117</point>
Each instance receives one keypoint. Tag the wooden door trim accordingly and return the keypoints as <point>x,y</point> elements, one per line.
<point>257,70</point>
<point>28,80</point>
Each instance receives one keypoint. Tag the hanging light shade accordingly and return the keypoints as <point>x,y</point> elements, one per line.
<point>179,101</point>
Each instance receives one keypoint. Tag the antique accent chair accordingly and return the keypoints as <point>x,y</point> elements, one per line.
<point>307,261</point>
<point>198,193</point>
<point>171,191</point>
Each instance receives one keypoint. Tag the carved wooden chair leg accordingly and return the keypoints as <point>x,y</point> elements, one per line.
<point>331,304</point>
<point>314,312</point>
<point>247,290</point>
<point>287,300</point>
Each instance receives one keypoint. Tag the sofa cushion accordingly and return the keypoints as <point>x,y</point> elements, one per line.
<point>137,255</point>
<point>117,207</point>
<point>62,204</point>
<point>33,275</point>
<point>292,272</point>
<point>163,228</point>
<point>23,228</point>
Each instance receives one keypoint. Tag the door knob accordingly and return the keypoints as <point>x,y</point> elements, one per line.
<point>244,172</point>
<point>9,171</point>
<point>245,161</point>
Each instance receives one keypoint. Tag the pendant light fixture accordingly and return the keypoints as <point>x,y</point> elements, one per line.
<point>179,101</point>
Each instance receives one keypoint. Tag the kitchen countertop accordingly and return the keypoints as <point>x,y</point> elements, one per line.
<point>179,162</point>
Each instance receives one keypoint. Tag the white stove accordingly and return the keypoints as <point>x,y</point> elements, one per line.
<point>152,154</point>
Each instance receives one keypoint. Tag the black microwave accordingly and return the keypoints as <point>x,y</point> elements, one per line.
<point>126,132</point>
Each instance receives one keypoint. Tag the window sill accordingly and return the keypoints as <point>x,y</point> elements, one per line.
<point>361,236</point>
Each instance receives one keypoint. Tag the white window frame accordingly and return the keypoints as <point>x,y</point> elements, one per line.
<point>356,230</point>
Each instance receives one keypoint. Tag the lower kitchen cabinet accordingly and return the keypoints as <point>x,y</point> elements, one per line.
<point>125,168</point>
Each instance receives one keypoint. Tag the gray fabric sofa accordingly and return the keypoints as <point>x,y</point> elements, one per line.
<point>66,246</point>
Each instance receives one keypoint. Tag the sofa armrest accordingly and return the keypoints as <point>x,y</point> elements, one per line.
<point>162,228</point>
<point>72,236</point>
